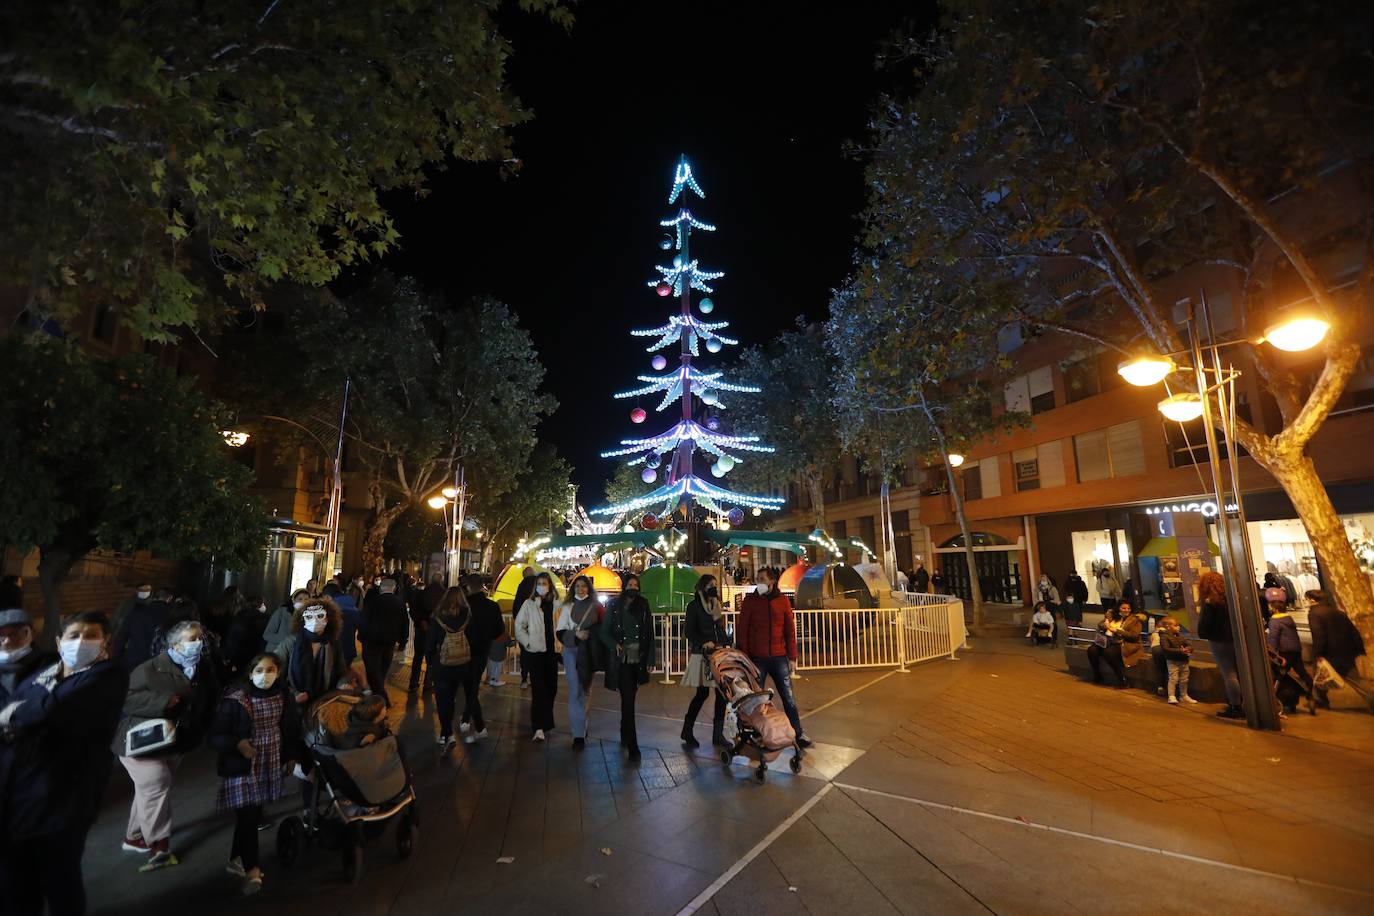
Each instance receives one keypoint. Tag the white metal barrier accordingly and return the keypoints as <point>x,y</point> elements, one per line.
<point>923,627</point>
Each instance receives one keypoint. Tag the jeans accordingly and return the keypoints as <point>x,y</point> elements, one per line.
<point>447,680</point>
<point>629,686</point>
<point>35,869</point>
<point>494,670</point>
<point>472,706</point>
<point>717,714</point>
<point>579,697</point>
<point>543,671</point>
<point>1178,679</point>
<point>377,662</point>
<point>245,847</point>
<point>1224,653</point>
<point>778,668</point>
<point>1112,655</point>
<point>417,660</point>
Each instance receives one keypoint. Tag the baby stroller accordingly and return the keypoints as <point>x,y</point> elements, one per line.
<point>353,792</point>
<point>1288,684</point>
<point>754,727</point>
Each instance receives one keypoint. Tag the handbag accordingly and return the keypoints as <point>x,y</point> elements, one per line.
<point>1100,640</point>
<point>148,736</point>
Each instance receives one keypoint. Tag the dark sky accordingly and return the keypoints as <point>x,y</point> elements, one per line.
<point>760,96</point>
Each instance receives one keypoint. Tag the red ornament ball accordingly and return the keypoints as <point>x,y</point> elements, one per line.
<point>638,415</point>
<point>664,289</point>
<point>649,522</point>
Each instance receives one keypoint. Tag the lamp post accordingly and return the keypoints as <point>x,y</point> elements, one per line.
<point>1215,403</point>
<point>456,497</point>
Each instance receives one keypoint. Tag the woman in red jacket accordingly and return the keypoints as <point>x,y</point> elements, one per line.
<point>767,633</point>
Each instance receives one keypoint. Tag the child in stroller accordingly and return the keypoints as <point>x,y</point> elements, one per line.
<point>360,781</point>
<point>754,727</point>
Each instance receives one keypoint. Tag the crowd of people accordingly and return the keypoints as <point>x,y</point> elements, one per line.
<point>158,679</point>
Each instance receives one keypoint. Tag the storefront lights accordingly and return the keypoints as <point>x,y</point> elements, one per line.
<point>1301,332</point>
<point>955,460</point>
<point>1144,371</point>
<point>1181,407</point>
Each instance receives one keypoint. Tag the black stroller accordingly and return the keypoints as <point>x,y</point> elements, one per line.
<point>354,793</point>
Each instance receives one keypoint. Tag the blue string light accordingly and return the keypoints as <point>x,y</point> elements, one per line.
<point>683,178</point>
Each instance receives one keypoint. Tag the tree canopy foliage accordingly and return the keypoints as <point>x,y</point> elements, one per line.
<point>172,158</point>
<point>119,455</point>
<point>536,501</point>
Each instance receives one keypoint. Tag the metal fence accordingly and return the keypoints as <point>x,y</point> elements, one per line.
<point>921,628</point>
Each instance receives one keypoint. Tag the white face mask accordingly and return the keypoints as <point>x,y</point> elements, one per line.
<point>542,589</point>
<point>761,588</point>
<point>264,679</point>
<point>143,596</point>
<point>297,605</point>
<point>191,651</point>
<point>582,594</point>
<point>316,624</point>
<point>14,655</point>
<point>80,653</point>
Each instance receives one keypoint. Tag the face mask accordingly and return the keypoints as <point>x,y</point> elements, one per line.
<point>79,653</point>
<point>297,605</point>
<point>712,592</point>
<point>14,655</point>
<point>143,596</point>
<point>581,594</point>
<point>761,588</point>
<point>191,651</point>
<point>631,592</point>
<point>316,624</point>
<point>264,679</point>
<point>542,589</point>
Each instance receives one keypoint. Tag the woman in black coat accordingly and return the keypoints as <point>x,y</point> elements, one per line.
<point>627,632</point>
<point>54,763</point>
<point>704,628</point>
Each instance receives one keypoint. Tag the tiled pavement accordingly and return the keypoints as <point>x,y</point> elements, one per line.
<point>933,788</point>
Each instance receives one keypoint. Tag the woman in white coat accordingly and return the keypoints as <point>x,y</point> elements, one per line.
<point>534,630</point>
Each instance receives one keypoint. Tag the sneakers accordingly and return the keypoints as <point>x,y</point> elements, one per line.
<point>803,741</point>
<point>464,727</point>
<point>1173,701</point>
<point>252,885</point>
<point>496,683</point>
<point>474,737</point>
<point>161,857</point>
<point>1189,700</point>
<point>539,734</point>
<point>447,743</point>
<point>134,844</point>
<point>524,685</point>
<point>235,868</point>
<point>441,741</point>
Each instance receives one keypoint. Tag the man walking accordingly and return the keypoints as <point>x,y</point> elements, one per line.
<point>382,630</point>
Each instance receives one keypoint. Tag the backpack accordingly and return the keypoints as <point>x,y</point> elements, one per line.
<point>455,649</point>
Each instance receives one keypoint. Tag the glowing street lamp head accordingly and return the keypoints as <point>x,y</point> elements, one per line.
<point>1298,333</point>
<point>449,492</point>
<point>1144,371</point>
<point>955,459</point>
<point>235,439</point>
<point>1181,407</point>
<point>436,502</point>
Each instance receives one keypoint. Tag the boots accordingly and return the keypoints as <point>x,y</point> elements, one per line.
<point>1231,712</point>
<point>688,738</point>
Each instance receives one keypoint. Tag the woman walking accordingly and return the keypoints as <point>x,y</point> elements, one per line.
<point>578,618</point>
<point>279,624</point>
<point>256,732</point>
<point>1214,625</point>
<point>627,632</point>
<point>178,687</point>
<point>313,658</point>
<point>449,651</point>
<point>534,632</point>
<point>704,628</point>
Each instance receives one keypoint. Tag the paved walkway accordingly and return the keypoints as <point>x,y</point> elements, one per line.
<point>994,783</point>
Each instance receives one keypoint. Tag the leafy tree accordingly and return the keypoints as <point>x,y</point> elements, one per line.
<point>626,484</point>
<point>416,533</point>
<point>117,455</point>
<point>795,416</point>
<point>170,158</point>
<point>432,388</point>
<point>1086,155</point>
<point>540,493</point>
<point>917,359</point>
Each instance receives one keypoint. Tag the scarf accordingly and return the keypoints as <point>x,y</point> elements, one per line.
<point>187,667</point>
<point>713,607</point>
<point>581,610</point>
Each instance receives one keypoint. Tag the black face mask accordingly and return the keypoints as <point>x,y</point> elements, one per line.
<point>631,592</point>
<point>712,592</point>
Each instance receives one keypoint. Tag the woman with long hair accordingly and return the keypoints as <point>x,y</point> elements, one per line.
<point>628,635</point>
<point>578,617</point>
<point>1214,625</point>
<point>534,630</point>
<point>449,651</point>
<point>704,627</point>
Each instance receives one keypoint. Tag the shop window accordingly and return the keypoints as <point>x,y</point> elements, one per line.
<point>972,479</point>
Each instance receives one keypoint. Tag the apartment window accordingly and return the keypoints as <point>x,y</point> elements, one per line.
<point>867,532</point>
<point>1032,392</point>
<point>1116,451</point>
<point>840,530</point>
<point>1026,464</point>
<point>901,522</point>
<point>1017,394</point>
<point>1082,379</point>
<point>973,482</point>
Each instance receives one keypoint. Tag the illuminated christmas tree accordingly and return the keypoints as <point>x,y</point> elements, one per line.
<point>670,454</point>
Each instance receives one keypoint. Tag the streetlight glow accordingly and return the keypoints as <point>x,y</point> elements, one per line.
<point>955,460</point>
<point>437,502</point>
<point>1144,371</point>
<point>234,438</point>
<point>756,511</point>
<point>1181,407</point>
<point>449,492</point>
<point>1301,332</point>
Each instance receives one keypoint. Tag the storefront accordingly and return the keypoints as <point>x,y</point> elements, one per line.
<point>1279,543</point>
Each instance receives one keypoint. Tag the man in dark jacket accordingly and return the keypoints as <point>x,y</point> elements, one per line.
<point>381,629</point>
<point>349,618</point>
<point>133,641</point>
<point>767,633</point>
<point>54,763</point>
<point>423,604</point>
<point>1334,638</point>
<point>920,578</point>
<point>19,657</point>
<point>486,627</point>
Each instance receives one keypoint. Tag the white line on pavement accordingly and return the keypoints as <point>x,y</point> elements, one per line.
<point>700,899</point>
<point>1102,839</point>
<point>845,696</point>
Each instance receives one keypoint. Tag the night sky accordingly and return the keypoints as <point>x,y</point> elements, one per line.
<point>760,96</point>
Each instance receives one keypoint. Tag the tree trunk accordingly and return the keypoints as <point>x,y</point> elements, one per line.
<point>975,587</point>
<point>374,538</point>
<point>889,546</point>
<point>1339,568</point>
<point>53,565</point>
<point>816,488</point>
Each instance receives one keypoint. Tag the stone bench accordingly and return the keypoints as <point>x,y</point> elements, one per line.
<point>1204,681</point>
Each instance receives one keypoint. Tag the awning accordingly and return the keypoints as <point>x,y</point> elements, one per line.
<point>1168,547</point>
<point>773,540</point>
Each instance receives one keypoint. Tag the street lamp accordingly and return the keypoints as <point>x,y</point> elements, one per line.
<point>955,460</point>
<point>1297,332</point>
<point>455,496</point>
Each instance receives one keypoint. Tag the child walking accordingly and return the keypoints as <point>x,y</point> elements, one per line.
<point>1176,654</point>
<point>256,731</point>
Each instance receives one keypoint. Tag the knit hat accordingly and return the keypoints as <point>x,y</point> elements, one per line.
<point>15,617</point>
<point>1275,595</point>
